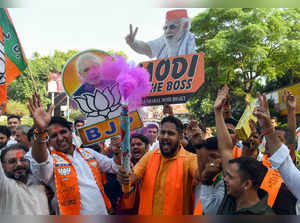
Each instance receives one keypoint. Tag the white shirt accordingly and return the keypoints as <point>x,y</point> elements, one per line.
<point>17,198</point>
<point>92,202</point>
<point>11,141</point>
<point>154,146</point>
<point>211,197</point>
<point>76,140</point>
<point>160,49</point>
<point>282,161</point>
<point>298,146</point>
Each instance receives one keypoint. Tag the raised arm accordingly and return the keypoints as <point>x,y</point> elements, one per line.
<point>41,119</point>
<point>223,135</point>
<point>290,101</point>
<point>279,153</point>
<point>273,142</point>
<point>137,45</point>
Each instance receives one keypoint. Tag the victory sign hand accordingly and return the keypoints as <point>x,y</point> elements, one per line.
<point>289,99</point>
<point>131,36</point>
<point>221,98</point>
<point>262,112</point>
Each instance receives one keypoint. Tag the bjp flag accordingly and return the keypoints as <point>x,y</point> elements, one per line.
<point>12,59</point>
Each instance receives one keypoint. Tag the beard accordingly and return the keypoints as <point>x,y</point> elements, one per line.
<point>171,153</point>
<point>175,39</point>
<point>173,43</point>
<point>19,176</point>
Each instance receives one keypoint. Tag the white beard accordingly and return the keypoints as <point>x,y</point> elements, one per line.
<point>173,44</point>
<point>172,49</point>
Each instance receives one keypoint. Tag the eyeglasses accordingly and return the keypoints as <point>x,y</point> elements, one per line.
<point>171,27</point>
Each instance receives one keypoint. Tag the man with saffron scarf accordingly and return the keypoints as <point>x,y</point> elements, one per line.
<point>176,41</point>
<point>73,173</point>
<point>166,173</point>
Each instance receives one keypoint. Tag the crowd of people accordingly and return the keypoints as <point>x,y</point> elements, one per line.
<point>177,169</point>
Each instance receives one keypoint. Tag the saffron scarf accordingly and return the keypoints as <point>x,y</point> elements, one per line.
<point>67,188</point>
<point>173,196</point>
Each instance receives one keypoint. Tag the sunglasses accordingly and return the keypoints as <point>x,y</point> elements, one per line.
<point>171,27</point>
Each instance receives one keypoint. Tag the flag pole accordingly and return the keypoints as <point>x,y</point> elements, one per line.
<point>32,79</point>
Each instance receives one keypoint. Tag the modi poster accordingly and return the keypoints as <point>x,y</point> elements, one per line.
<point>100,103</point>
<point>174,79</point>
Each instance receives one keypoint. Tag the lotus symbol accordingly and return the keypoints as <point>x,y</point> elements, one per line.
<point>102,103</point>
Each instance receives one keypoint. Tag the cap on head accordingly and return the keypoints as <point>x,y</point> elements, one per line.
<point>175,14</point>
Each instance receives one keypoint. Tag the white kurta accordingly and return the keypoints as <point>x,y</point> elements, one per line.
<point>154,146</point>
<point>17,198</point>
<point>160,49</point>
<point>92,201</point>
<point>282,161</point>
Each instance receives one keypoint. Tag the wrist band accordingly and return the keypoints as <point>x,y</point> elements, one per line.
<point>40,136</point>
<point>39,133</point>
<point>39,139</point>
<point>267,131</point>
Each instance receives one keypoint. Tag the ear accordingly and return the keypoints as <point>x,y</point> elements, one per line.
<point>247,185</point>
<point>180,136</point>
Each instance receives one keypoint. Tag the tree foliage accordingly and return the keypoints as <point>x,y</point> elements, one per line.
<point>244,47</point>
<point>17,108</point>
<point>41,66</point>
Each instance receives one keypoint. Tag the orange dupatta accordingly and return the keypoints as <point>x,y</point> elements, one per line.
<point>272,182</point>
<point>67,188</point>
<point>128,199</point>
<point>236,152</point>
<point>198,209</point>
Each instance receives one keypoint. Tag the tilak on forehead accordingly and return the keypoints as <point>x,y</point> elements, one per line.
<point>57,129</point>
<point>19,154</point>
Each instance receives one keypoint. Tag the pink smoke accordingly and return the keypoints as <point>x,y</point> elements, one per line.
<point>133,81</point>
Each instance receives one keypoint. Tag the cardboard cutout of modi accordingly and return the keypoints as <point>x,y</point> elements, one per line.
<point>103,86</point>
<point>176,40</point>
<point>97,97</point>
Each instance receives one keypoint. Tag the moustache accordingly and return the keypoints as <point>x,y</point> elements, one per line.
<point>19,168</point>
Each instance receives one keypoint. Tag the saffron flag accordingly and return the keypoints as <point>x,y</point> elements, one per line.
<point>12,59</point>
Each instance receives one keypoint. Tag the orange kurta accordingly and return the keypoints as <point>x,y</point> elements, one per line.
<point>189,170</point>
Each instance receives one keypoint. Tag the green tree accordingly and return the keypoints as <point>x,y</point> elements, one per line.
<point>15,107</point>
<point>76,113</point>
<point>120,53</point>
<point>243,47</point>
<point>41,66</point>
